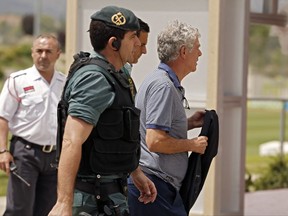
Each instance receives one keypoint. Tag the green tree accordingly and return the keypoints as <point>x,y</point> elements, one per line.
<point>265,55</point>
<point>17,56</point>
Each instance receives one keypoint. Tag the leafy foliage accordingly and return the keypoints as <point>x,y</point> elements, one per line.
<point>16,35</point>
<point>17,56</point>
<point>265,55</point>
<point>3,183</point>
<point>276,176</point>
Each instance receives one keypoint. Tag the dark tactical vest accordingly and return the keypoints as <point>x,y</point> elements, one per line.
<point>114,143</point>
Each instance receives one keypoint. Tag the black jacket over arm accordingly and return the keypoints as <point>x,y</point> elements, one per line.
<point>198,164</point>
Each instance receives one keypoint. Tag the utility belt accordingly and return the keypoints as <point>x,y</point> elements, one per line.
<point>29,145</point>
<point>102,189</point>
<point>110,194</point>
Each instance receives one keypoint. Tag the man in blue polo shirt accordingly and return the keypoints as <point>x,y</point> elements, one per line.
<point>163,122</point>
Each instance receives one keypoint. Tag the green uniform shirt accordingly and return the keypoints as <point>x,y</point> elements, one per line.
<point>88,94</point>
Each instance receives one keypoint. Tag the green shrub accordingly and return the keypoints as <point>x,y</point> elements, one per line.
<point>18,56</point>
<point>1,73</point>
<point>249,185</point>
<point>275,176</point>
<point>3,183</point>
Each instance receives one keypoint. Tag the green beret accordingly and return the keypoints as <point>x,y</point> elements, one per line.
<point>117,17</point>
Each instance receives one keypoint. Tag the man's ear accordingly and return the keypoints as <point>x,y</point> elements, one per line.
<point>183,51</point>
<point>59,53</point>
<point>115,43</point>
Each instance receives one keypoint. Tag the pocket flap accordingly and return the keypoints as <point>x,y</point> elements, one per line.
<point>32,100</point>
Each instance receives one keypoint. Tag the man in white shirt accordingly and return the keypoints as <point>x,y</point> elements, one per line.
<point>28,109</point>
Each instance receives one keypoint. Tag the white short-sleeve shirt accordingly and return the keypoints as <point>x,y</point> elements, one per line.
<point>29,103</point>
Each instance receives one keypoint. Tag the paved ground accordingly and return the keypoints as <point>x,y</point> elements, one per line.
<point>260,203</point>
<point>2,205</point>
<point>267,203</point>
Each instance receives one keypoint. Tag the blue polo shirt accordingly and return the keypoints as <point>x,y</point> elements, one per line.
<point>89,93</point>
<point>160,100</point>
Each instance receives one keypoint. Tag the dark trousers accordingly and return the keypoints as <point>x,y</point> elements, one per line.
<point>167,203</point>
<point>34,166</point>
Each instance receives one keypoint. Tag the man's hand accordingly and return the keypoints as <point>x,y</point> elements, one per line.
<point>5,160</point>
<point>199,144</point>
<point>61,209</point>
<point>146,187</point>
<point>5,157</point>
<point>196,120</point>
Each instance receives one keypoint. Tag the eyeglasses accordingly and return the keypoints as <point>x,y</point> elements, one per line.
<point>184,100</point>
<point>185,103</point>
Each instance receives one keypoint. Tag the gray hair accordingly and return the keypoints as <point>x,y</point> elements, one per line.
<point>49,36</point>
<point>173,37</point>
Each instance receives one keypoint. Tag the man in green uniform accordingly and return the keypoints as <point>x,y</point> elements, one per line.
<point>101,145</point>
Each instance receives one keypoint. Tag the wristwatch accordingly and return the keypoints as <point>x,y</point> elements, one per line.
<point>3,151</point>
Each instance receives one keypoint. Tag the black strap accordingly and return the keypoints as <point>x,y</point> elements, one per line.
<point>80,60</point>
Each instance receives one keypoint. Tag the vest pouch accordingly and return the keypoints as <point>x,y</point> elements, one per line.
<point>114,156</point>
<point>111,152</point>
<point>131,124</point>
<point>110,125</point>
